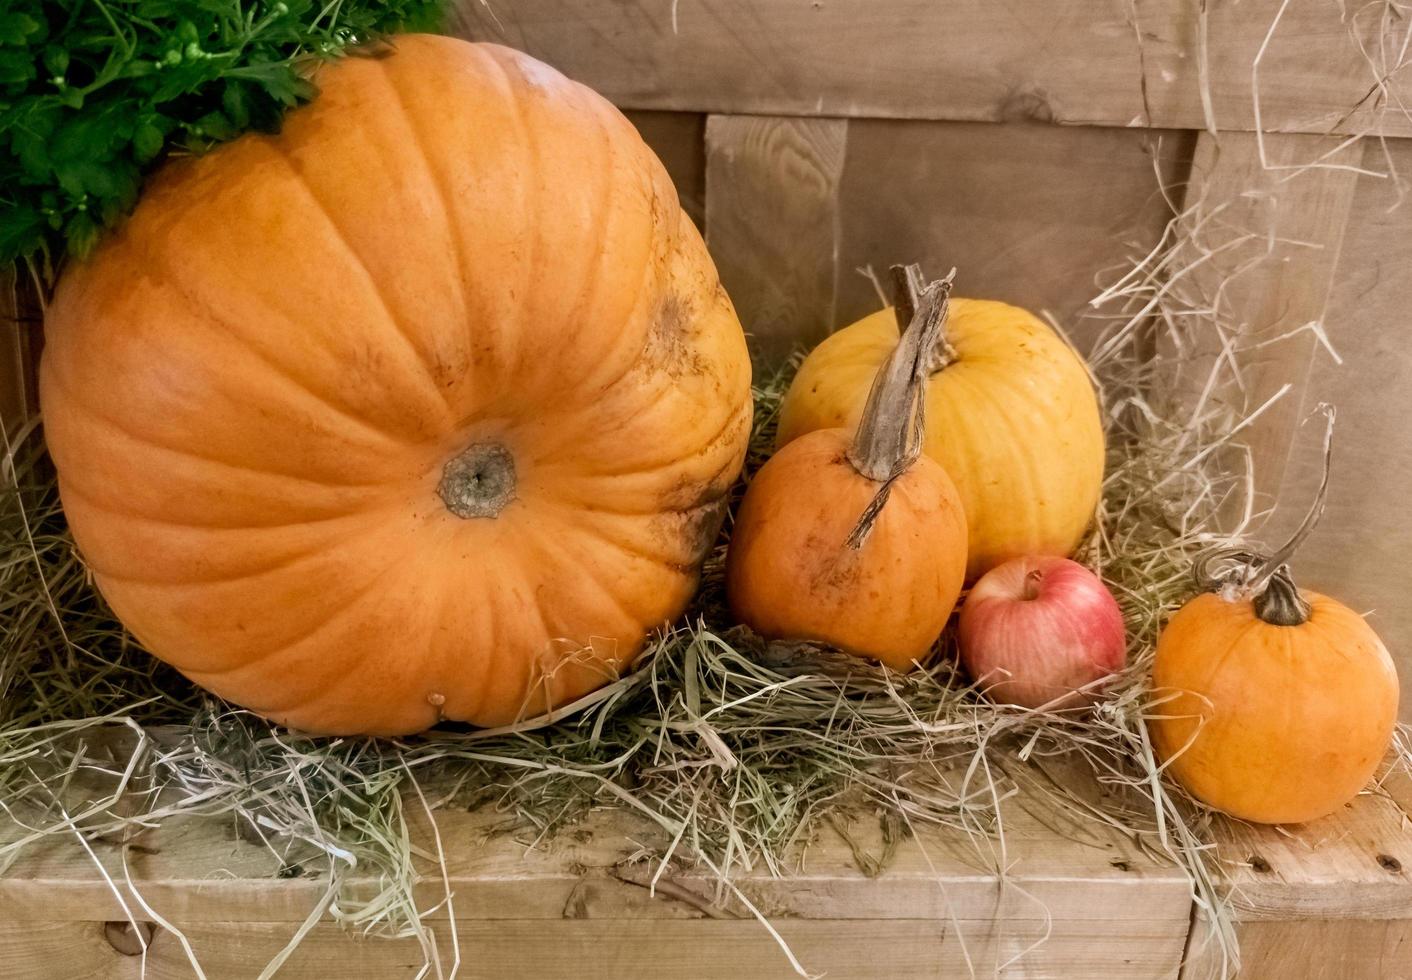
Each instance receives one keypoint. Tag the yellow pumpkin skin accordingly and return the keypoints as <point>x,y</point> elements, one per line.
<point>789,574</point>
<point>253,390</point>
<point>1013,420</point>
<point>1285,723</point>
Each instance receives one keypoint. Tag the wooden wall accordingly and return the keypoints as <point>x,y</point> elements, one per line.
<point>1038,145</point>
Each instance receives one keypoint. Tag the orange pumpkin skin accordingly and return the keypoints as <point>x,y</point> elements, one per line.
<point>1296,718</point>
<point>789,574</point>
<point>257,392</point>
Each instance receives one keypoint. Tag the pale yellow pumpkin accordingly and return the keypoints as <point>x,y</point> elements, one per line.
<point>1011,416</point>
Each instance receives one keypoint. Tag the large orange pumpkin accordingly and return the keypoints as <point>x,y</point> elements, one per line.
<point>424,408</point>
<point>1011,416</point>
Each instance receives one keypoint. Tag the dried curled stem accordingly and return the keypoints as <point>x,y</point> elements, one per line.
<point>1266,579</point>
<point>891,431</point>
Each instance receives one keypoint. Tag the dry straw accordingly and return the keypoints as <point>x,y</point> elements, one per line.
<point>735,749</point>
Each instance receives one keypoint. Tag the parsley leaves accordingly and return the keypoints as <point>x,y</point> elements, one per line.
<point>93,93</point>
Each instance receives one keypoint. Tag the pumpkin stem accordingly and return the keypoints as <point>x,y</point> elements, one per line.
<point>1281,604</point>
<point>890,433</point>
<point>478,482</point>
<point>1266,577</point>
<point>908,286</point>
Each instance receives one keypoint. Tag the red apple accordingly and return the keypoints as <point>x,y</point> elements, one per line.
<point>1033,631</point>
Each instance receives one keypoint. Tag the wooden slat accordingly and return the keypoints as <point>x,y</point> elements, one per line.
<point>1339,949</point>
<point>567,949</point>
<point>1328,899</point>
<point>1096,62</point>
<point>1264,239</point>
<point>772,224</point>
<point>199,869</point>
<point>575,905</point>
<point>1029,214</point>
<point>1360,551</point>
<point>678,139</point>
<point>19,397</point>
<point>1354,864</point>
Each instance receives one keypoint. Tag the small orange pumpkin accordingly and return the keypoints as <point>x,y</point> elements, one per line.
<point>1272,704</point>
<point>857,541</point>
<point>425,408</point>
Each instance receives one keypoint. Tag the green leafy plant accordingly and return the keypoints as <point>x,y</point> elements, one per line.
<point>94,93</point>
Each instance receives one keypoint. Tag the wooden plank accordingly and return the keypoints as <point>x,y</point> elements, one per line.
<point>678,139</point>
<point>1028,214</point>
<point>1263,237</point>
<point>1327,899</point>
<point>1072,901</point>
<point>568,949</point>
<point>573,905</point>
<point>19,344</point>
<point>1339,949</point>
<point>1052,874</point>
<point>1362,549</point>
<point>200,870</point>
<point>1112,62</point>
<point>1353,864</point>
<point>772,224</point>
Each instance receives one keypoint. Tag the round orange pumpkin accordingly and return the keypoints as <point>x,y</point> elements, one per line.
<point>1012,418</point>
<point>424,408</point>
<point>1275,707</point>
<point>857,540</point>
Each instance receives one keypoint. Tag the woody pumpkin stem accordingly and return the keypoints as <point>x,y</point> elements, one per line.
<point>908,285</point>
<point>1281,604</point>
<point>891,431</point>
<point>478,482</point>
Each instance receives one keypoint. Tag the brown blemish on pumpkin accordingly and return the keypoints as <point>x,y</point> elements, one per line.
<point>830,567</point>
<point>692,514</point>
<point>671,341</point>
<point>696,528</point>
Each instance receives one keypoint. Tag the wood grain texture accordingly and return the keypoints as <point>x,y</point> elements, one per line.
<point>1075,898</point>
<point>1104,62</point>
<point>1345,949</point>
<point>772,224</point>
<point>19,346</point>
<point>1033,215</point>
<point>202,870</point>
<point>1327,900</point>
<point>1263,232</point>
<point>898,949</point>
<point>1353,864</point>
<point>1360,551</point>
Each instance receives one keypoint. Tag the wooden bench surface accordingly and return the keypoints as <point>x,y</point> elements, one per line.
<point>1060,897</point>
